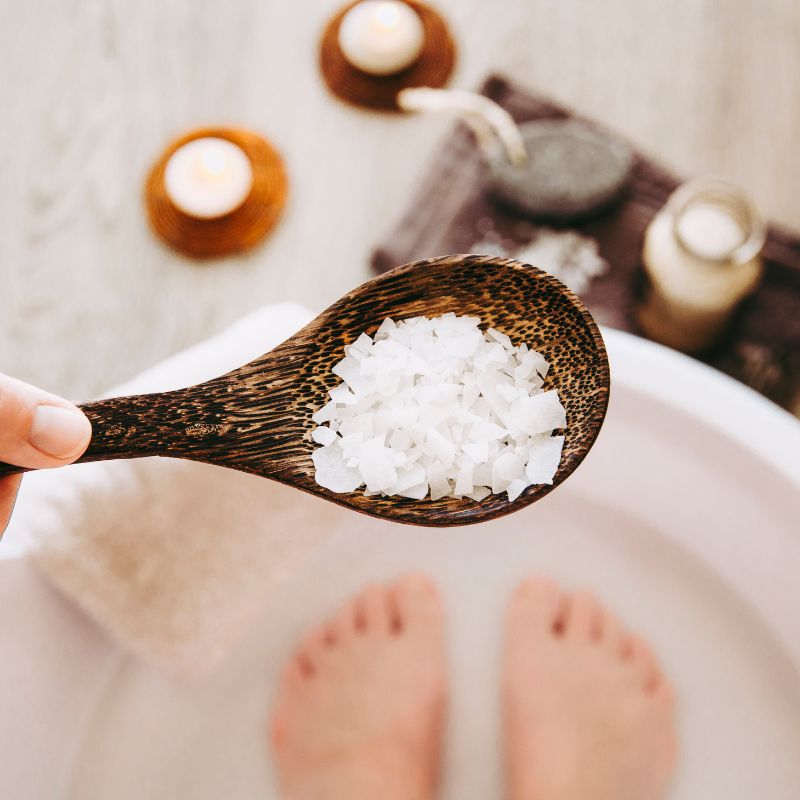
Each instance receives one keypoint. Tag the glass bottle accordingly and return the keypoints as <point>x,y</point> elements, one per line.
<point>701,258</point>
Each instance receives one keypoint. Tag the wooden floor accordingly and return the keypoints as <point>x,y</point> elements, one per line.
<point>92,89</point>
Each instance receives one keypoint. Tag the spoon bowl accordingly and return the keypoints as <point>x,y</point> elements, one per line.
<point>257,418</point>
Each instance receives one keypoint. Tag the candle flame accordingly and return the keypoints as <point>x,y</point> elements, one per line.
<point>213,160</point>
<point>386,15</point>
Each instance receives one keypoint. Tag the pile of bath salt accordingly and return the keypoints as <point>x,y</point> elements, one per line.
<point>437,406</point>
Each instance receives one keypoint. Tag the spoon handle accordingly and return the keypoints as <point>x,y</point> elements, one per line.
<point>182,423</point>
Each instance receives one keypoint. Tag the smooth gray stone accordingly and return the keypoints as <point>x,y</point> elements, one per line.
<point>572,171</point>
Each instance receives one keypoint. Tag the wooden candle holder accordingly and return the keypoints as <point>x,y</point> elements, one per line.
<point>235,232</point>
<point>433,68</point>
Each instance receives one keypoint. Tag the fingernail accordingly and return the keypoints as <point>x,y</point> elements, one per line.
<point>59,432</point>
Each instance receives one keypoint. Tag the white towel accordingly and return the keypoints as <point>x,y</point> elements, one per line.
<point>173,558</point>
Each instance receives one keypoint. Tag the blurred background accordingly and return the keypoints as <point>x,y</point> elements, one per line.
<point>93,91</point>
<point>683,518</point>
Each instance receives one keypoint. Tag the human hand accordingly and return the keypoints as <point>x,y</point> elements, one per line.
<point>37,430</point>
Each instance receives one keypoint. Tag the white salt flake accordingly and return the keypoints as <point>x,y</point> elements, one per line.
<point>545,456</point>
<point>332,473</point>
<point>323,435</point>
<point>440,486</point>
<point>508,467</point>
<point>417,492</point>
<point>477,451</point>
<point>508,392</point>
<point>363,343</point>
<point>351,444</point>
<point>408,478</point>
<point>483,474</point>
<point>325,414</point>
<point>480,493</point>
<point>568,255</point>
<point>342,394</point>
<point>541,413</point>
<point>441,448</point>
<point>436,407</point>
<point>516,488</point>
<point>375,465</point>
<point>500,337</point>
<point>464,478</point>
<point>400,439</point>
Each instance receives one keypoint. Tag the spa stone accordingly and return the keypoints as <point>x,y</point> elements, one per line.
<point>572,170</point>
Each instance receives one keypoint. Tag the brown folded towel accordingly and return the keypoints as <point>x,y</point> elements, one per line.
<point>452,212</point>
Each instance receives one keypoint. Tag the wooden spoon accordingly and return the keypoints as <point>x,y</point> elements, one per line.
<point>258,418</point>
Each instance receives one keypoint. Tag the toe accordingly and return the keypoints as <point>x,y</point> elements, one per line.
<point>295,672</point>
<point>346,620</point>
<point>300,667</point>
<point>584,617</point>
<point>645,666</point>
<point>309,654</point>
<point>374,609</point>
<point>536,605</point>
<point>416,604</point>
<point>323,638</point>
<point>664,693</point>
<point>330,635</point>
<point>612,632</point>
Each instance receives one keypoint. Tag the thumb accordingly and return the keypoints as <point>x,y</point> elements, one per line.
<point>38,429</point>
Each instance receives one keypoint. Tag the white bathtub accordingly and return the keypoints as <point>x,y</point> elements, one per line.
<point>686,520</point>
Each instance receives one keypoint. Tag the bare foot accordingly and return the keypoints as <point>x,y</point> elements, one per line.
<point>360,711</point>
<point>588,714</point>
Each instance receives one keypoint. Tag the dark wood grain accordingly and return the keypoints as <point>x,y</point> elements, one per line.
<point>257,418</point>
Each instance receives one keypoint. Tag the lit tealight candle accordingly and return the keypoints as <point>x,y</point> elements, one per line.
<point>208,177</point>
<point>710,231</point>
<point>381,37</point>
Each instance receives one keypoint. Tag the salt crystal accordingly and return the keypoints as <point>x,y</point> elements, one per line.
<point>351,443</point>
<point>545,456</point>
<point>480,493</point>
<point>409,478</point>
<point>440,448</point>
<point>325,414</point>
<point>508,467</point>
<point>363,343</point>
<point>483,474</point>
<point>436,406</point>
<point>500,337</point>
<point>477,451</point>
<point>440,486</point>
<point>376,466</point>
<point>400,439</point>
<point>541,413</point>
<point>332,473</point>
<point>417,492</point>
<point>486,431</point>
<point>342,394</point>
<point>362,424</point>
<point>508,392</point>
<point>323,435</point>
<point>515,489</point>
<point>464,479</point>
